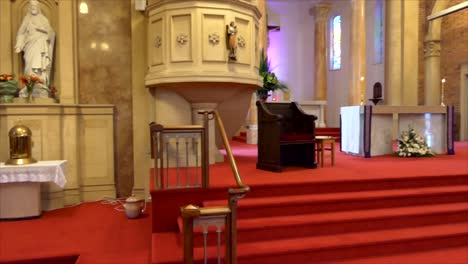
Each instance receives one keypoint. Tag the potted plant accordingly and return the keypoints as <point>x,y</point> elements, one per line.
<point>270,81</point>
<point>8,88</point>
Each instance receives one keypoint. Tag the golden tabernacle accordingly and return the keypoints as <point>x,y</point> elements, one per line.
<point>20,146</point>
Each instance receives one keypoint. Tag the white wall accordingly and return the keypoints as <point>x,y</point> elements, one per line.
<point>338,81</point>
<point>294,45</point>
<point>375,72</point>
<point>294,64</point>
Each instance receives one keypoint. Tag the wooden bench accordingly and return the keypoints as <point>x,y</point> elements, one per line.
<point>286,136</point>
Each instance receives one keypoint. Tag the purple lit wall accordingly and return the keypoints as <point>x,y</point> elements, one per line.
<point>273,53</point>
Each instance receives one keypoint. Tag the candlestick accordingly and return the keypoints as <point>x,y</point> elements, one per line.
<point>442,91</point>
<point>362,90</point>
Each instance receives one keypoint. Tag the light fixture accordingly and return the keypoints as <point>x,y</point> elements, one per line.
<point>83,8</point>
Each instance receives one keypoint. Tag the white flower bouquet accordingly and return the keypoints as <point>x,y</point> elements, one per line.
<point>411,144</point>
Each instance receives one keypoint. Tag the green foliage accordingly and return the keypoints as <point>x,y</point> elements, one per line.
<point>270,81</point>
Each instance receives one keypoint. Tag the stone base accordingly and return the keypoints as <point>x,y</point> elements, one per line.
<point>252,135</point>
<point>34,100</point>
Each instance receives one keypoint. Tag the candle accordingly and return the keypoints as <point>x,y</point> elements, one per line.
<point>362,90</point>
<point>442,91</point>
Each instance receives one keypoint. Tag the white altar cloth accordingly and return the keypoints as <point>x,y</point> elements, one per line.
<point>41,171</point>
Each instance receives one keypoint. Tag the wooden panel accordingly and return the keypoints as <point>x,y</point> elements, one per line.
<point>181,38</point>
<point>97,151</point>
<point>244,40</point>
<point>156,42</point>
<point>214,38</point>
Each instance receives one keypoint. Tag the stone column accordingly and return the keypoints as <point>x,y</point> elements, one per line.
<point>66,53</point>
<point>432,74</point>
<point>320,12</point>
<point>393,61</point>
<point>358,53</point>
<point>262,41</point>
<point>197,119</point>
<point>5,33</point>
<point>252,131</point>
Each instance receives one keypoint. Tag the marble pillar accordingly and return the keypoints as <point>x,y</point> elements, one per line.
<point>320,12</point>
<point>357,91</point>
<point>432,75</point>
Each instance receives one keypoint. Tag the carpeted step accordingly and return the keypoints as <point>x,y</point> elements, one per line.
<point>353,245</point>
<point>329,202</point>
<point>456,255</point>
<point>281,227</point>
<point>335,186</point>
<point>325,247</point>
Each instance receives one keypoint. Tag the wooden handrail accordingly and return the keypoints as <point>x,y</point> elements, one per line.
<point>191,212</point>
<point>232,161</point>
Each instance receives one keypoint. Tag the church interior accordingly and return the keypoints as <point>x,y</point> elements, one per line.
<point>142,135</point>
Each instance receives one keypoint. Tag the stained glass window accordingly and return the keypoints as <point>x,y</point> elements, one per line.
<point>378,32</point>
<point>336,43</point>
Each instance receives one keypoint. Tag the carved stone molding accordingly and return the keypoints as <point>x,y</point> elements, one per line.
<point>241,41</point>
<point>158,41</point>
<point>432,48</point>
<point>320,12</point>
<point>214,39</point>
<point>182,39</point>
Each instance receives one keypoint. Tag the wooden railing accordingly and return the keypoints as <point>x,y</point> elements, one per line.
<point>203,216</point>
<point>183,148</point>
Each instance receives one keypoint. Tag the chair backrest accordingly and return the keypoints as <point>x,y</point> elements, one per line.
<point>292,117</point>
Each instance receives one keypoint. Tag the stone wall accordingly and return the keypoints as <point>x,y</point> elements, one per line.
<point>105,75</point>
<point>454,52</point>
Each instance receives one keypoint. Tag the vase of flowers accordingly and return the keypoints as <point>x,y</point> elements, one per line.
<point>31,83</point>
<point>411,144</point>
<point>270,81</point>
<point>8,88</point>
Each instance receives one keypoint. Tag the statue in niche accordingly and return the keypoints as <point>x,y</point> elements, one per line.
<point>36,39</point>
<point>231,30</point>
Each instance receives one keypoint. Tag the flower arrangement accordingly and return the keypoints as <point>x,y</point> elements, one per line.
<point>30,82</point>
<point>270,81</point>
<point>411,144</point>
<point>8,88</point>
<point>53,92</point>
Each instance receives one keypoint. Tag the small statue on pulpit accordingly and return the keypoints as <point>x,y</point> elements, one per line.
<point>231,31</point>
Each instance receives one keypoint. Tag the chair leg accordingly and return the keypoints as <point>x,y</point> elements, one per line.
<point>322,151</point>
<point>333,153</point>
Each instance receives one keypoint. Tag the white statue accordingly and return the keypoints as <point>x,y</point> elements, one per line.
<point>36,39</point>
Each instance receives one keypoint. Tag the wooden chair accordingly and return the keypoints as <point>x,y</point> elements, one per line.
<point>321,142</point>
<point>286,136</point>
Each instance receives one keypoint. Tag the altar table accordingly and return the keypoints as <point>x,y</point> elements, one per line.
<point>20,189</point>
<point>368,130</point>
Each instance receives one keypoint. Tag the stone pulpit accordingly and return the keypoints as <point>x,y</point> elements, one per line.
<point>203,55</point>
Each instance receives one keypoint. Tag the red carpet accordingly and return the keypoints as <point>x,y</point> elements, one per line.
<point>387,209</point>
<point>423,199</point>
<point>92,232</point>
